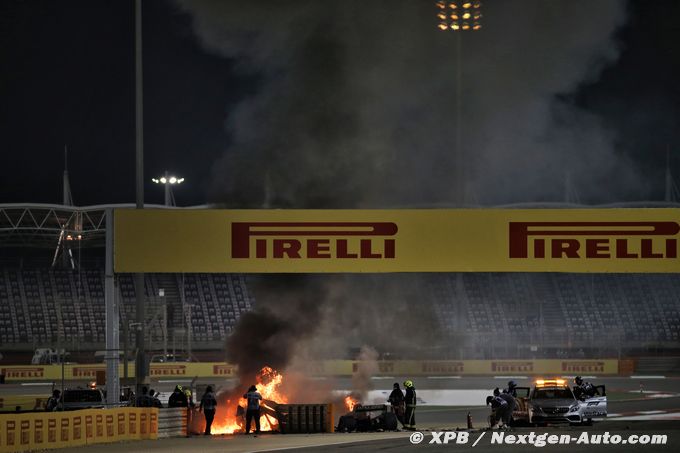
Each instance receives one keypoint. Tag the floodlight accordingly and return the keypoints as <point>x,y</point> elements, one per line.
<point>168,180</point>
<point>441,4</point>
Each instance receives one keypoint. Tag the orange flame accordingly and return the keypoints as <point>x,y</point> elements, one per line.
<point>350,403</point>
<point>268,383</point>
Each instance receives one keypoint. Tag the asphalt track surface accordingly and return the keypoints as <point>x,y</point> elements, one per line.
<point>663,412</point>
<point>400,441</point>
<point>665,384</point>
<point>484,445</point>
<point>451,416</point>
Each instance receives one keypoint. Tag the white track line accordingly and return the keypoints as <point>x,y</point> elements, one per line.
<point>510,377</point>
<point>36,383</point>
<point>648,377</point>
<point>664,416</point>
<point>442,377</point>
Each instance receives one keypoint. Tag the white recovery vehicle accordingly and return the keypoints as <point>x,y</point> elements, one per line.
<point>553,401</point>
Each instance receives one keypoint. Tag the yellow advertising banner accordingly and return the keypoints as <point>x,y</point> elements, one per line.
<point>224,370</point>
<point>47,430</point>
<point>88,372</point>
<point>528,367</point>
<point>465,240</point>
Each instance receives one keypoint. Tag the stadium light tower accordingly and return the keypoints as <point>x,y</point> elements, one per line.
<point>459,16</point>
<point>168,182</point>
<point>141,368</point>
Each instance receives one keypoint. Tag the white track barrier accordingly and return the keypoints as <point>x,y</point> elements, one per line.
<point>172,422</point>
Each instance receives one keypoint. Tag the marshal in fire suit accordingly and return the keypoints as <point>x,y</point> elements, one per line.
<point>499,408</point>
<point>583,389</point>
<point>410,400</point>
<point>396,399</point>
<point>512,405</point>
<point>253,411</point>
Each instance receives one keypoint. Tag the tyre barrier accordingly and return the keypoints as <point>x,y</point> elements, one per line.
<point>305,418</point>
<point>172,422</point>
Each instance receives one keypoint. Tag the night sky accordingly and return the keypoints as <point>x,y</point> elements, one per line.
<point>67,78</point>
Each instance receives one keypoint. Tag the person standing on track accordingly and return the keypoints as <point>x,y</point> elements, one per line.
<point>208,406</point>
<point>144,400</point>
<point>499,410</point>
<point>512,405</point>
<point>396,399</point>
<point>253,409</point>
<point>410,400</point>
<point>53,402</point>
<point>178,398</point>
<point>584,390</point>
<point>155,402</point>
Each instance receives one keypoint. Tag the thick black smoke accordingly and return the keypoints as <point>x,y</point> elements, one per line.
<point>287,312</point>
<point>356,106</point>
<point>309,317</point>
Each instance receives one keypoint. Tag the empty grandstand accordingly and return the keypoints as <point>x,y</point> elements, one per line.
<point>52,293</point>
<point>591,314</point>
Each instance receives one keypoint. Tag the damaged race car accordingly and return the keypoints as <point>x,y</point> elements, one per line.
<point>553,401</point>
<point>377,417</point>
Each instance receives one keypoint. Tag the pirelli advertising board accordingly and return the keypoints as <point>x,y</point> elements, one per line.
<point>466,240</point>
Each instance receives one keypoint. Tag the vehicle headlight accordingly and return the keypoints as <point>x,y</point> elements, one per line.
<point>537,408</point>
<point>573,408</point>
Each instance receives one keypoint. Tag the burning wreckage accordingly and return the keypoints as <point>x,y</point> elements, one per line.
<point>278,415</point>
<point>230,413</point>
<point>375,417</point>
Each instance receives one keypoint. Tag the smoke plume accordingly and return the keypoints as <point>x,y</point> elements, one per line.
<point>287,315</point>
<point>366,369</point>
<point>298,318</point>
<point>356,105</point>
